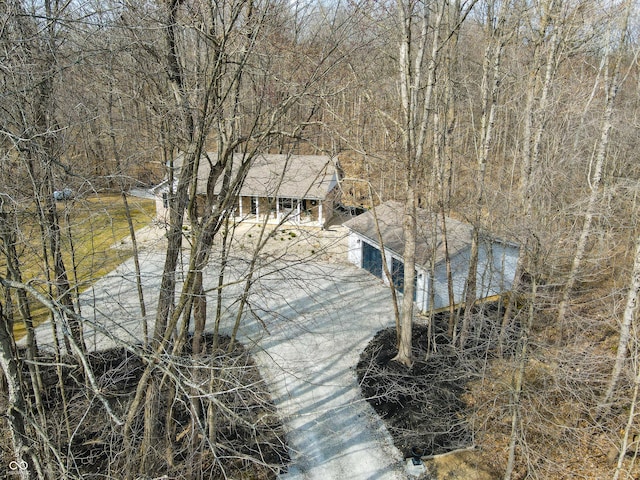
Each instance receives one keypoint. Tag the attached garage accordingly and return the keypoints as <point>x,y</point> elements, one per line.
<point>496,261</point>
<point>397,274</point>
<point>372,259</point>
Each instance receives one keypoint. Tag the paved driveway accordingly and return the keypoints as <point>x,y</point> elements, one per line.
<point>323,315</point>
<point>318,317</point>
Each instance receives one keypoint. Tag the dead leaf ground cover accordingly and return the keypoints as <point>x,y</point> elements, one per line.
<point>447,402</point>
<point>92,446</point>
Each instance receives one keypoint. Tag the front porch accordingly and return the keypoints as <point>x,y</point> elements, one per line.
<point>299,211</point>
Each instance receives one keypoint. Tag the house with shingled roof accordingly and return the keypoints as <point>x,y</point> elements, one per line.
<point>298,189</point>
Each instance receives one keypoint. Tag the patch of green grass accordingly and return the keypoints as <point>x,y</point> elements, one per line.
<point>90,228</point>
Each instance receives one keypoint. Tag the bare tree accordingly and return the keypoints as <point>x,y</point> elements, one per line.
<point>31,125</point>
<point>520,368</point>
<point>628,318</point>
<point>17,405</point>
<point>611,60</point>
<point>418,62</point>
<point>219,77</point>
<point>498,33</point>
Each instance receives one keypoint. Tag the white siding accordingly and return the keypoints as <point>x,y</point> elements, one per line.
<point>496,270</point>
<point>354,254</point>
<point>459,272</point>
<point>498,262</point>
<point>422,289</point>
<point>333,182</point>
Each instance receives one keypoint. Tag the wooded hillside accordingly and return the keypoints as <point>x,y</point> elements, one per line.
<point>519,117</point>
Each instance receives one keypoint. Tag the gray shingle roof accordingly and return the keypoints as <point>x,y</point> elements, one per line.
<point>305,176</point>
<point>390,221</point>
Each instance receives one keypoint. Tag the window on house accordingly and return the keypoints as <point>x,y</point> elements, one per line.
<point>286,203</point>
<point>165,200</point>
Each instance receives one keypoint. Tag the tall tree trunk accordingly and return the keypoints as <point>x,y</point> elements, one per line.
<point>535,121</point>
<point>8,223</point>
<point>178,201</point>
<point>16,402</point>
<point>8,237</point>
<point>470,290</point>
<point>490,88</point>
<point>416,116</point>
<point>419,23</point>
<point>199,314</point>
<point>385,265</point>
<point>630,427</point>
<point>629,316</point>
<point>612,86</point>
<point>224,260</point>
<point>61,277</point>
<point>518,382</point>
<point>444,123</point>
<point>127,211</point>
<point>404,355</point>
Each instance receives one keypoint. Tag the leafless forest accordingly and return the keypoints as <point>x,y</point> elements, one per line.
<point>520,117</point>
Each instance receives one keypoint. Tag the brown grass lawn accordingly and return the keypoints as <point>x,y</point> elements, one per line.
<point>90,227</point>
